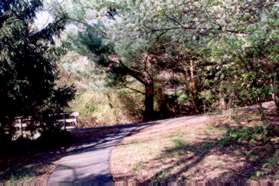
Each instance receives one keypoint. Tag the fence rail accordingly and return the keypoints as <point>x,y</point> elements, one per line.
<point>65,120</point>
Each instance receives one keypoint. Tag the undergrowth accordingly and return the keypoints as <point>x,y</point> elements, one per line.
<point>246,135</point>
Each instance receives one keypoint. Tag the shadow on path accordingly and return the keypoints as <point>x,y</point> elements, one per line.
<point>88,163</point>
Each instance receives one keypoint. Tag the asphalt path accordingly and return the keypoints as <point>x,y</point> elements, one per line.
<point>91,164</point>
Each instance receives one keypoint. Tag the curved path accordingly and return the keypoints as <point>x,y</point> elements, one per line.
<point>89,165</point>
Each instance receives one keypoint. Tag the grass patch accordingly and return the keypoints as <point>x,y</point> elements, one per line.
<point>179,143</point>
<point>137,167</point>
<point>245,135</point>
<point>160,177</point>
<point>24,174</point>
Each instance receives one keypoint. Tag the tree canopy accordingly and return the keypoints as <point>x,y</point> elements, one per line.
<point>216,52</point>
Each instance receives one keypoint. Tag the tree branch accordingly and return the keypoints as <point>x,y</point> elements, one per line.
<point>134,73</point>
<point>135,90</point>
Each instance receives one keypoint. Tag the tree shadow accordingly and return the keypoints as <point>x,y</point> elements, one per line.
<point>187,157</point>
<point>23,165</point>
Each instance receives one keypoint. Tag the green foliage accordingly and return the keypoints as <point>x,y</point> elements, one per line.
<point>218,51</point>
<point>89,108</point>
<point>179,144</point>
<point>270,167</point>
<point>107,107</point>
<point>28,71</point>
<point>246,135</point>
<point>137,167</point>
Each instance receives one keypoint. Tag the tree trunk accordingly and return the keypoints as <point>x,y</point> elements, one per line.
<point>276,100</point>
<point>149,102</point>
<point>193,87</point>
<point>275,95</point>
<point>222,102</point>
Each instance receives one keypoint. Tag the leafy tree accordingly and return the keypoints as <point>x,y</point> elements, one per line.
<point>28,72</point>
<point>222,43</point>
<point>137,48</point>
<point>250,58</point>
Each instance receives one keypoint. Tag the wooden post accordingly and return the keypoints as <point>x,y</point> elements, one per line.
<point>21,126</point>
<point>64,117</point>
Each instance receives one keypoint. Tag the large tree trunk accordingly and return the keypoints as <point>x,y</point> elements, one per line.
<point>149,102</point>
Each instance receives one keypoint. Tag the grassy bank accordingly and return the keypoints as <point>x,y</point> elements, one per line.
<point>223,147</point>
<point>110,107</point>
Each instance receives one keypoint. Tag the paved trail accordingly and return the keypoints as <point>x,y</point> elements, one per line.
<point>90,164</point>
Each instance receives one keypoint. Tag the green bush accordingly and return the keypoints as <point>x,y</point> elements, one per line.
<point>247,135</point>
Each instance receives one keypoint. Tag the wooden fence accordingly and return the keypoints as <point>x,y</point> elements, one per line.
<point>64,120</point>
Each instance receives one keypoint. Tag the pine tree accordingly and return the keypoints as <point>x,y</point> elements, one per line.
<point>28,70</point>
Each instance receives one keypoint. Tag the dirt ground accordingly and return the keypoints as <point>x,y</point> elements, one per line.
<point>189,149</point>
<point>186,148</point>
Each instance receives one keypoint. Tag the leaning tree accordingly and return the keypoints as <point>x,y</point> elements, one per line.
<point>132,38</point>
